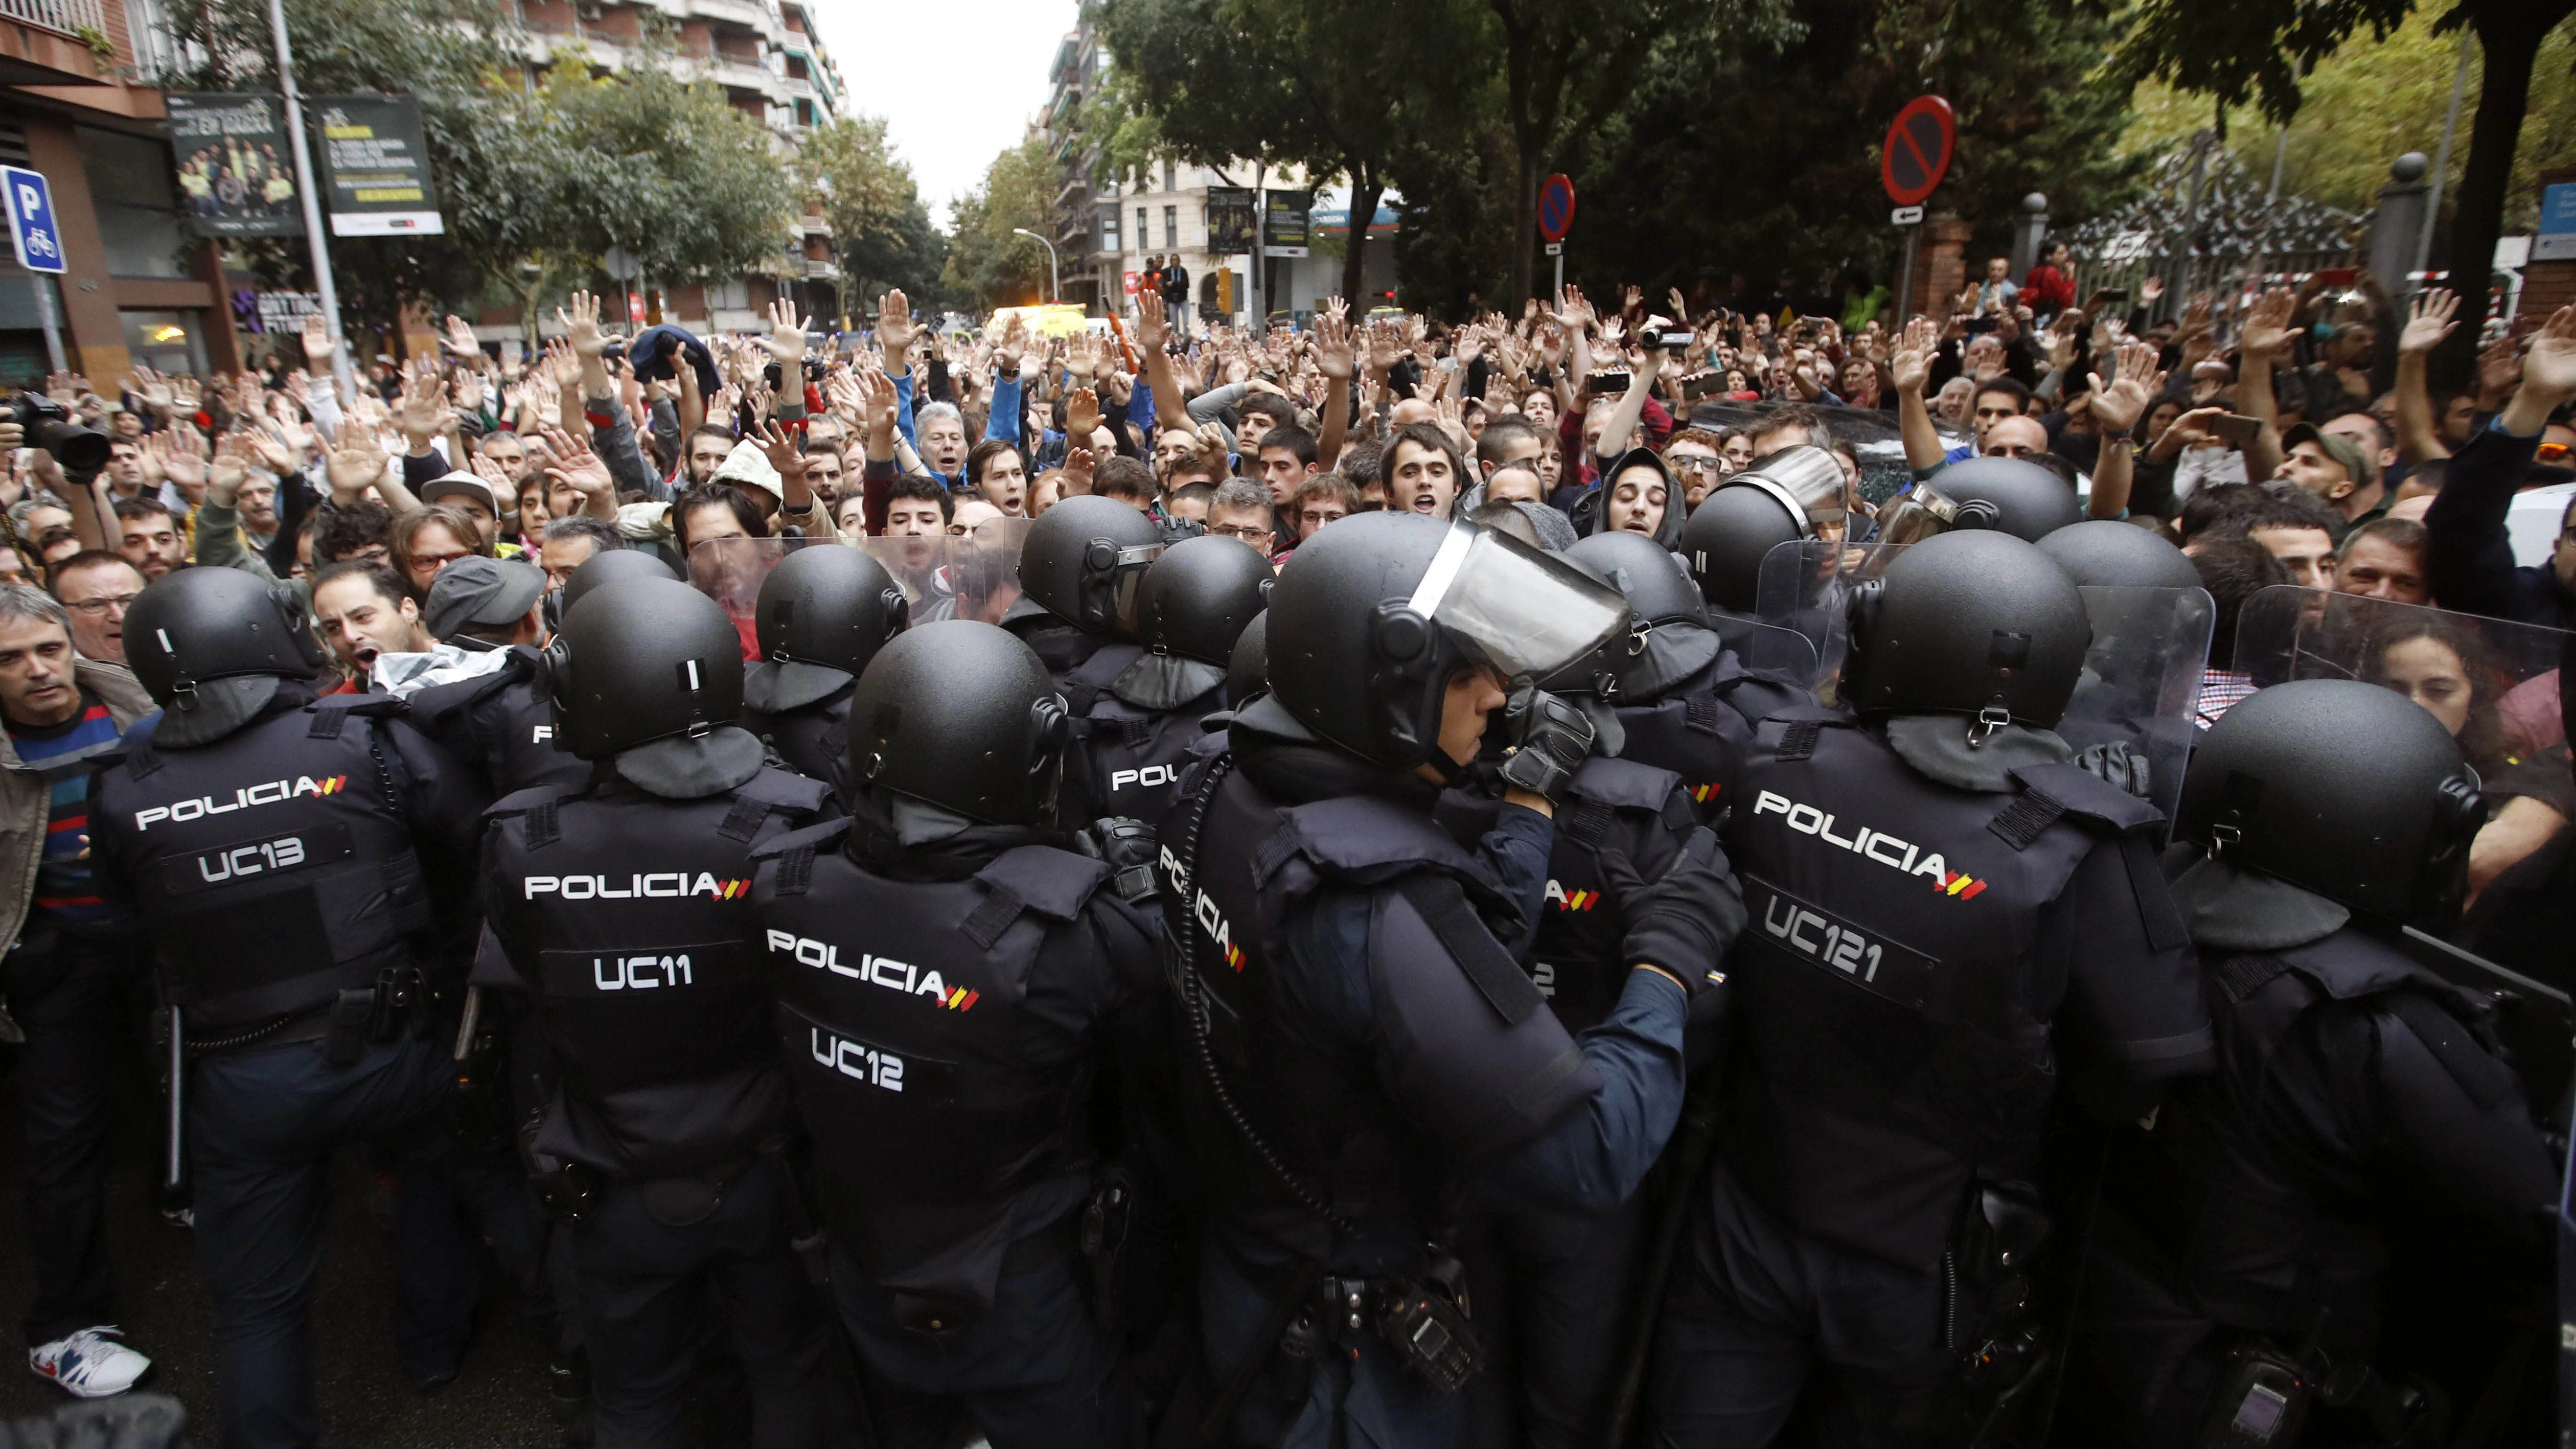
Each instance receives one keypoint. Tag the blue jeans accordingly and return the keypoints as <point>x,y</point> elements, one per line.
<point>262,1126</point>
<point>1756,1307</point>
<point>1032,1369</point>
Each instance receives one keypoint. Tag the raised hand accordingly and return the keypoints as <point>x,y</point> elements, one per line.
<point>234,459</point>
<point>780,449</point>
<point>1078,466</point>
<point>2430,321</point>
<point>575,465</point>
<point>2268,333</point>
<point>2119,406</point>
<point>317,343</point>
<point>2499,369</point>
<point>1153,329</point>
<point>356,464</point>
<point>894,326</point>
<point>1081,412</point>
<point>1572,312</point>
<point>2550,366</point>
<point>1337,351</point>
<point>460,338</point>
<point>182,452</point>
<point>582,331</point>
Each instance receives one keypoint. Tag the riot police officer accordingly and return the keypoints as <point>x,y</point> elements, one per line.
<point>1795,495</point>
<point>295,859</point>
<point>1136,707</point>
<point>947,977</point>
<point>2106,553</point>
<point>1683,701</point>
<point>822,615</point>
<point>1079,570</point>
<point>1364,1044</point>
<point>1947,915</point>
<point>625,908</point>
<point>2342,1232</point>
<point>2008,495</point>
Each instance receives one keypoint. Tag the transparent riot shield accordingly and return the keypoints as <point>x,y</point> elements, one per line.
<point>731,571</point>
<point>2141,679</point>
<point>2492,683</point>
<point>1803,588</point>
<point>984,568</point>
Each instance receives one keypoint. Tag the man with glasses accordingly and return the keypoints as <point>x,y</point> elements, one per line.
<point>1697,460</point>
<point>1241,510</point>
<point>96,586</point>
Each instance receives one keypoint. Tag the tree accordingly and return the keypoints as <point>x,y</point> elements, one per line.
<point>2258,51</point>
<point>986,260</point>
<point>880,229</point>
<point>1328,87</point>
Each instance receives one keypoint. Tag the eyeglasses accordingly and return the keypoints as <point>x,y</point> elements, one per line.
<point>1688,463</point>
<point>1235,530</point>
<point>98,607</point>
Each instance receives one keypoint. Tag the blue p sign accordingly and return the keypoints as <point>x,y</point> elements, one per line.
<point>31,219</point>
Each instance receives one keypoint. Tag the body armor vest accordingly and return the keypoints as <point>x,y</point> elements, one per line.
<point>1892,1009</point>
<point>1700,729</point>
<point>1476,1063</point>
<point>2264,1239</point>
<point>504,725</point>
<point>814,739</point>
<point>899,1008</point>
<point>630,918</point>
<point>273,866</point>
<point>1123,760</point>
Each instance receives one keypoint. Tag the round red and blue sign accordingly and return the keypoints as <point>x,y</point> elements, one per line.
<point>1917,151</point>
<point>1555,206</point>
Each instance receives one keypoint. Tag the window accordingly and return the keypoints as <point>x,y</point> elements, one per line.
<point>1109,229</point>
<point>138,214</point>
<point>1171,226</point>
<point>1171,177</point>
<point>1144,233</point>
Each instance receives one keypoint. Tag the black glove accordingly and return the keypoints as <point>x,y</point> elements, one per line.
<point>1550,739</point>
<point>1127,846</point>
<point>2118,766</point>
<point>1685,922</point>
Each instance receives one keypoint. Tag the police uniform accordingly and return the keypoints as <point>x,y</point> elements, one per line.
<point>627,914</point>
<point>295,874</point>
<point>1925,959</point>
<point>1698,726</point>
<point>1128,747</point>
<point>811,738</point>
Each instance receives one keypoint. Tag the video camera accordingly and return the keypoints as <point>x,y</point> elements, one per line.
<point>49,426</point>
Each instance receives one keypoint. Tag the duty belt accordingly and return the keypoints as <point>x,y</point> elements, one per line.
<point>398,1002</point>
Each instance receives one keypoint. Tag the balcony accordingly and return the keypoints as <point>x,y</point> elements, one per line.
<point>54,45</point>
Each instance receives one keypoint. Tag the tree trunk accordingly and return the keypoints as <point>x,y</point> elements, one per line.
<point>1366,188</point>
<point>2508,36</point>
<point>1525,225</point>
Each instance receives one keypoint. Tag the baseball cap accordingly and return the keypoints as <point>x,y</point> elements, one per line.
<point>2356,463</point>
<point>477,590</point>
<point>464,485</point>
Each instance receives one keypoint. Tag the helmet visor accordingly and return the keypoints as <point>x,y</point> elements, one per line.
<point>1513,608</point>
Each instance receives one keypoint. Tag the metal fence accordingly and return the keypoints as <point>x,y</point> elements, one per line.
<point>77,18</point>
<point>2206,224</point>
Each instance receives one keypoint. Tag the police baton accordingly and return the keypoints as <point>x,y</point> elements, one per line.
<point>174,1122</point>
<point>1693,1146</point>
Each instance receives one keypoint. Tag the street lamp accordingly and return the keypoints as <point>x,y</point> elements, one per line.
<point>1055,279</point>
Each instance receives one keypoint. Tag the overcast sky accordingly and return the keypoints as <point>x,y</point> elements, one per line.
<point>956,80</point>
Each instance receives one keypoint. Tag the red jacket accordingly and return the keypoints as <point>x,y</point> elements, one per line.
<point>2047,290</point>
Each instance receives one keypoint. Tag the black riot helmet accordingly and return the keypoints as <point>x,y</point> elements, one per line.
<point>830,606</point>
<point>2007,495</point>
<point>1375,614</point>
<point>210,646</point>
<point>604,568</point>
<point>1196,599</point>
<point>1974,623</point>
<point>2106,553</point>
<point>1083,559</point>
<point>961,714</point>
<point>2346,789</point>
<point>1791,495</point>
<point>1658,588</point>
<point>1247,671</point>
<point>639,660</point>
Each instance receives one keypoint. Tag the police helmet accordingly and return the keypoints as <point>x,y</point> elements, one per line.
<point>642,659</point>
<point>1083,559</point>
<point>2106,553</point>
<point>961,714</point>
<point>1658,588</point>
<point>829,606</point>
<point>2007,495</point>
<point>1783,497</point>
<point>602,568</point>
<point>210,644</point>
<point>1376,613</point>
<point>1247,670</point>
<point>2343,788</point>
<point>1196,599</point>
<point>1975,623</point>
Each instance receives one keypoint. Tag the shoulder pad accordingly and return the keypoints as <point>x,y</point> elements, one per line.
<point>784,790</point>
<point>2349,963</point>
<point>1370,841</point>
<point>2088,798</point>
<point>1054,883</point>
<point>1810,713</point>
<point>521,802</point>
<point>812,837</point>
<point>1625,784</point>
<point>333,710</point>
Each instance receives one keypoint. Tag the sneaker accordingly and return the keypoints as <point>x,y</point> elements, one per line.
<point>89,1364</point>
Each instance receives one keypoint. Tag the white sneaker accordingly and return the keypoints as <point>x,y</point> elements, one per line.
<point>89,1364</point>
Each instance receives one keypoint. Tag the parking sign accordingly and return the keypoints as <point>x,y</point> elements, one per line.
<point>31,219</point>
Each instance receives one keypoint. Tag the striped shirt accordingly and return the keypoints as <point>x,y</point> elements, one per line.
<point>62,753</point>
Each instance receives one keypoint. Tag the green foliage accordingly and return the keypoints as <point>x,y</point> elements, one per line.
<point>987,265</point>
<point>880,229</point>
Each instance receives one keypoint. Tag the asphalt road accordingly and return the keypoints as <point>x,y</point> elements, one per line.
<point>498,1401</point>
